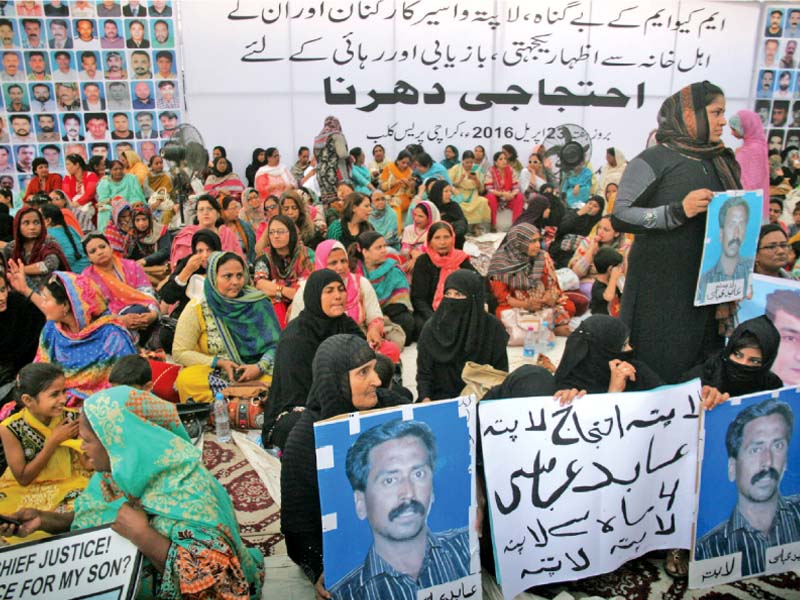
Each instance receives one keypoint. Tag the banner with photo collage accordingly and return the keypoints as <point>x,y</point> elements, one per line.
<point>82,77</point>
<point>778,82</point>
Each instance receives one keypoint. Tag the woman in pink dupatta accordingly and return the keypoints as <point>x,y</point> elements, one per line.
<point>752,155</point>
<point>209,216</point>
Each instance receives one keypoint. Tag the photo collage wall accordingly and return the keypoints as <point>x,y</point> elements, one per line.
<point>85,77</point>
<point>778,83</point>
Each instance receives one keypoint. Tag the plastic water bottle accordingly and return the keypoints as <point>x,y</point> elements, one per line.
<point>221,419</point>
<point>529,344</point>
<point>541,339</point>
<point>549,336</point>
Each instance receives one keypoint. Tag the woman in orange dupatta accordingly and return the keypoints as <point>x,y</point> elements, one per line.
<point>397,182</point>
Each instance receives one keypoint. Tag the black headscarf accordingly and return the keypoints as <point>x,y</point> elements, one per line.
<point>730,377</point>
<point>21,323</point>
<point>255,165</point>
<point>227,170</point>
<point>312,319</point>
<point>523,382</point>
<point>462,330</point>
<point>210,239</point>
<point>535,211</point>
<point>584,365</point>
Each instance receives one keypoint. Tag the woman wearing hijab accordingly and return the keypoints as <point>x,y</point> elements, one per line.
<point>259,160</point>
<point>412,244</point>
<point>223,179</point>
<point>611,172</point>
<point>746,125</point>
<point>384,220</point>
<point>80,334</point>
<point>231,210</point>
<point>330,150</point>
<point>285,261</point>
<point>148,243</point>
<point>252,208</point>
<point>598,359</point>
<point>119,225</point>
<point>274,178</point>
<point>664,196</point>
<point>186,516</point>
<point>157,178</point>
<point>459,331</point>
<point>522,276</point>
<point>450,157</point>
<point>133,165</point>
<point>324,314</point>
<point>344,382</point>
<point>575,225</point>
<point>227,336</point>
<point>441,258</point>
<point>743,366</point>
<point>116,184</point>
<point>468,183</point>
<point>441,194</point>
<point>398,183</point>
<point>537,212</point>
<point>38,252</point>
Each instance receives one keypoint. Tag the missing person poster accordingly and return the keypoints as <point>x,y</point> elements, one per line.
<point>397,493</point>
<point>748,505</point>
<point>93,563</point>
<point>779,299</point>
<point>575,491</point>
<point>734,218</point>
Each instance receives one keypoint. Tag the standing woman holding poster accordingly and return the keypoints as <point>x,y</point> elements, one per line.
<point>663,198</point>
<point>330,150</point>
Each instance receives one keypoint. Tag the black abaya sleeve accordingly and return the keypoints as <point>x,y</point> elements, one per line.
<point>424,280</point>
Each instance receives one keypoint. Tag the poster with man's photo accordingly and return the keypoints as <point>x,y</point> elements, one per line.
<point>397,494</point>
<point>734,218</point>
<point>779,299</point>
<point>748,504</point>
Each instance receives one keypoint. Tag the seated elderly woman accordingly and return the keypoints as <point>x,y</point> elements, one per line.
<point>324,314</point>
<point>223,179</point>
<point>116,184</point>
<point>39,253</point>
<point>183,520</point>
<point>125,285</point>
<point>459,331</point>
<point>228,336</point>
<point>283,264</point>
<point>522,277</point>
<point>80,334</point>
<point>148,242</point>
<point>344,381</point>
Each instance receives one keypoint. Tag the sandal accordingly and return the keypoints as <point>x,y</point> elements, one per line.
<point>676,563</point>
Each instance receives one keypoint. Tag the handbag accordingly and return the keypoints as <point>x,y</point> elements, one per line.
<point>246,404</point>
<point>157,273</point>
<point>517,321</point>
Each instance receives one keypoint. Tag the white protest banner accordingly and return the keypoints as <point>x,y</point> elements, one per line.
<point>576,491</point>
<point>93,563</point>
<point>748,501</point>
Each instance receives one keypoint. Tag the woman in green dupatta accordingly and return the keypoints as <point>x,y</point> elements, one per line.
<point>152,487</point>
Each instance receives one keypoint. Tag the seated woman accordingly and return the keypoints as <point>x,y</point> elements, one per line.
<point>273,179</point>
<point>125,285</point>
<point>384,221</point>
<point>574,225</point>
<point>271,207</point>
<point>387,279</point>
<point>534,176</point>
<point>283,264</point>
<point>468,182</point>
<point>259,160</point>
<point>323,315</point>
<point>441,258</point>
<point>460,330</point>
<point>577,185</point>
<point>450,159</point>
<point>209,216</point>
<point>21,323</point>
<point>183,520</point>
<point>38,252</point>
<point>187,279</point>
<point>66,237</point>
<point>398,183</point>
<point>42,181</point>
<point>80,333</point>
<point>354,221</point>
<point>360,173</point>
<point>119,225</point>
<point>231,208</point>
<point>97,165</point>
<point>157,178</point>
<point>362,302</point>
<point>294,206</point>
<point>252,208</point>
<point>40,446</point>
<point>223,179</point>
<point>743,366</point>
<point>502,187</point>
<point>134,166</point>
<point>344,382</point>
<point>116,185</point>
<point>229,336</point>
<point>415,235</point>
<point>59,199</point>
<point>611,197</point>
<point>522,276</point>
<point>441,194</point>
<point>80,185</point>
<point>148,242</point>
<point>603,236</point>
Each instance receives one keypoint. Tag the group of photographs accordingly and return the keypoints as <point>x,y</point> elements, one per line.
<point>778,82</point>
<point>85,77</point>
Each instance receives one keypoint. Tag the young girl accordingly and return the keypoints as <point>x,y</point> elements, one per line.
<point>414,235</point>
<point>40,442</point>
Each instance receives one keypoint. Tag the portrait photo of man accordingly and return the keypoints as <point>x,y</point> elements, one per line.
<point>11,70</point>
<point>47,128</point>
<point>757,444</point>
<point>4,138</point>
<point>42,97</point>
<point>38,67</point>
<point>774,23</point>
<point>140,65</point>
<point>390,468</point>
<point>63,71</point>
<point>111,38</point>
<point>21,128</point>
<point>85,36</point>
<point>136,35</point>
<point>67,96</point>
<point>16,98</point>
<point>96,127</point>
<point>32,38</point>
<point>8,37</point>
<point>115,65</point>
<point>25,155</point>
<point>59,39</point>
<point>164,65</point>
<point>72,128</point>
<point>162,36</point>
<point>92,95</point>
<point>766,79</point>
<point>6,163</point>
<point>792,28</point>
<point>143,95</point>
<point>167,96</point>
<point>733,218</point>
<point>121,127</point>
<point>775,139</point>
<point>147,150</point>
<point>770,55</point>
<point>117,96</point>
<point>169,123</point>
<point>784,88</point>
<point>144,126</point>
<point>52,154</point>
